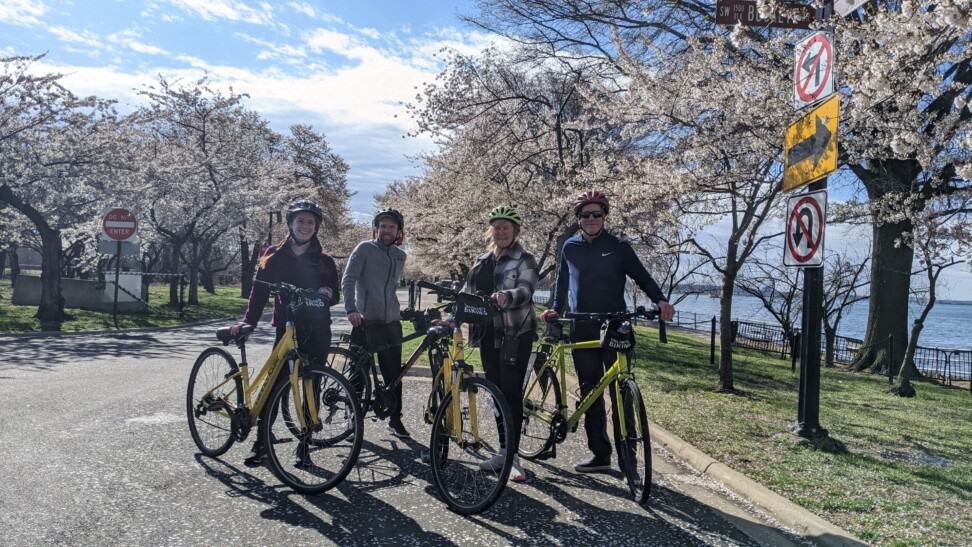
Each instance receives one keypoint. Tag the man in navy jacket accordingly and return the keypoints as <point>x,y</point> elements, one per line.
<point>591,276</point>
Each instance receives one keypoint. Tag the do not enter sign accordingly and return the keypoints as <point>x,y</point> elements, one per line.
<point>805,219</point>
<point>119,224</point>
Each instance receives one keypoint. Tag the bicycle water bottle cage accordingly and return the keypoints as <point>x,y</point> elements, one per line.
<point>617,335</point>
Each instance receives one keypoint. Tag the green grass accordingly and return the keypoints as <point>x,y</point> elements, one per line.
<point>225,303</point>
<point>869,491</point>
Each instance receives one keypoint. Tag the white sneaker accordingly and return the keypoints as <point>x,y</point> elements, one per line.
<point>495,463</point>
<point>517,474</point>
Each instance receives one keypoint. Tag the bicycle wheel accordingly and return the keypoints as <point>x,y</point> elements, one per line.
<point>541,402</point>
<point>353,364</point>
<point>469,466</point>
<point>316,456</point>
<point>210,401</point>
<point>636,448</point>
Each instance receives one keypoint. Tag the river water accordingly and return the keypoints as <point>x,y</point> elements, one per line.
<point>948,325</point>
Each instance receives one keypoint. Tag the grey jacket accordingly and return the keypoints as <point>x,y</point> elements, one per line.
<point>370,280</point>
<point>516,275</point>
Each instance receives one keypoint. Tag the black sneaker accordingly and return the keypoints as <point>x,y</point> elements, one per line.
<point>594,465</point>
<point>255,458</point>
<point>397,428</point>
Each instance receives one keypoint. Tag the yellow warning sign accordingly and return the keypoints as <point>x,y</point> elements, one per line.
<point>811,145</point>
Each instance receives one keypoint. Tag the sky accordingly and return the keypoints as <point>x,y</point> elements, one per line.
<point>345,67</point>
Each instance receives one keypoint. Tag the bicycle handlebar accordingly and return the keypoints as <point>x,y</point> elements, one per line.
<point>288,290</point>
<point>605,316</point>
<point>444,292</point>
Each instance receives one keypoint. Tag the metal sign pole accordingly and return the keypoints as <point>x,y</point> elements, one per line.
<point>808,412</point>
<point>114,306</point>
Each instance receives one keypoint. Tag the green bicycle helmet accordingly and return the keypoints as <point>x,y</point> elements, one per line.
<point>505,212</point>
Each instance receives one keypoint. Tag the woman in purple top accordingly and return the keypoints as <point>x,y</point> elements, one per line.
<point>301,261</point>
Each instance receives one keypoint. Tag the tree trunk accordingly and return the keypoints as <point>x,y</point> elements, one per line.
<point>194,275</point>
<point>909,371</point>
<point>3,263</point>
<point>830,335</point>
<point>725,332</point>
<point>14,264</point>
<point>173,267</point>
<point>207,278</point>
<point>51,309</point>
<point>888,300</point>
<point>248,268</point>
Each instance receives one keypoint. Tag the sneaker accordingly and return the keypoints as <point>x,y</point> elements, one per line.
<point>517,474</point>
<point>397,428</point>
<point>495,463</point>
<point>594,465</point>
<point>255,457</point>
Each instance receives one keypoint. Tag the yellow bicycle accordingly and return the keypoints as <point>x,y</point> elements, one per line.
<point>312,425</point>
<point>546,420</point>
<point>470,418</point>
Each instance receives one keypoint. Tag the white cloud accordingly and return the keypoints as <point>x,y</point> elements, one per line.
<point>67,35</point>
<point>273,50</point>
<point>212,10</point>
<point>24,13</point>
<point>130,39</point>
<point>304,8</point>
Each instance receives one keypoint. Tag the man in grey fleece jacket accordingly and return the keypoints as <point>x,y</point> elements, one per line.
<point>369,283</point>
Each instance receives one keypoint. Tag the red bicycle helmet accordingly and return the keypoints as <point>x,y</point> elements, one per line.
<point>588,197</point>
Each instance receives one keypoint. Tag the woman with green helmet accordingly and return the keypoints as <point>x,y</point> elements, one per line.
<point>508,273</point>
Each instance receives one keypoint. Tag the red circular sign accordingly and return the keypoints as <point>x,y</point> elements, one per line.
<point>119,224</point>
<point>797,229</point>
<point>821,60</point>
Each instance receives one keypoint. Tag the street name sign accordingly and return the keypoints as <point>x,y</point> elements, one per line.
<point>810,148</point>
<point>119,224</point>
<point>847,7</point>
<point>730,12</point>
<point>805,228</point>
<point>813,72</point>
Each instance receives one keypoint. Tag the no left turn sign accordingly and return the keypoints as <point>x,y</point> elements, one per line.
<point>813,73</point>
<point>805,219</point>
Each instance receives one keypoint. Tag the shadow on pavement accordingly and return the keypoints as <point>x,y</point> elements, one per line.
<point>357,520</point>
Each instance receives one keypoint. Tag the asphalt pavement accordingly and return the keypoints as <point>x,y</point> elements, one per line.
<point>95,450</point>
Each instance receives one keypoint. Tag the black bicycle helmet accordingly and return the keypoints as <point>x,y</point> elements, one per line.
<point>304,206</point>
<point>394,214</point>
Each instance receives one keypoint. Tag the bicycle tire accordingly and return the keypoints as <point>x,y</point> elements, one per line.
<point>541,402</point>
<point>303,468</point>
<point>218,364</point>
<point>353,364</point>
<point>445,451</point>
<point>636,448</point>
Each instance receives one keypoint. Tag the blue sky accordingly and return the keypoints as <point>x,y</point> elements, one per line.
<point>344,67</point>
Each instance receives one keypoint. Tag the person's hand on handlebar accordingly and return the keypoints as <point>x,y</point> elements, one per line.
<point>500,298</point>
<point>666,311</point>
<point>548,314</point>
<point>235,329</point>
<point>356,318</point>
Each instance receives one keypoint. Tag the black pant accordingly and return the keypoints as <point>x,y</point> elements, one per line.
<point>382,336</point>
<point>590,365</point>
<point>508,377</point>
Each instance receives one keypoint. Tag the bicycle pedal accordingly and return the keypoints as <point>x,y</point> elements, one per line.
<point>548,454</point>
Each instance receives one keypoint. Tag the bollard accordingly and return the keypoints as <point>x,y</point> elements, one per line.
<point>712,342</point>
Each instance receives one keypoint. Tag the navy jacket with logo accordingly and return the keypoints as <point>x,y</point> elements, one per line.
<point>591,277</point>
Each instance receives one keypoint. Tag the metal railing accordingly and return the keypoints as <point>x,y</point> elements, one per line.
<point>944,364</point>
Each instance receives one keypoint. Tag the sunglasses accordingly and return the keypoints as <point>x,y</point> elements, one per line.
<point>589,214</point>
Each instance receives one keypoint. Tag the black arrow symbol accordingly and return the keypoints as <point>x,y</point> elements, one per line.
<point>813,147</point>
<point>807,223</point>
<point>809,63</point>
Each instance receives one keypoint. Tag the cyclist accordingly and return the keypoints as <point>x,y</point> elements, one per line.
<point>508,273</point>
<point>591,278</point>
<point>370,279</point>
<point>301,261</point>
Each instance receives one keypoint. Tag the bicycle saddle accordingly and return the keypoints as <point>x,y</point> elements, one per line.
<point>225,337</point>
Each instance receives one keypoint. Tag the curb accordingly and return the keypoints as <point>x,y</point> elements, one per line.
<point>54,333</point>
<point>805,523</point>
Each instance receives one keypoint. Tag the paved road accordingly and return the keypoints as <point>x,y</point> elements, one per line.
<point>94,450</point>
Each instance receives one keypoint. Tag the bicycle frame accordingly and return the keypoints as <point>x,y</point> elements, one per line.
<point>616,373</point>
<point>266,378</point>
